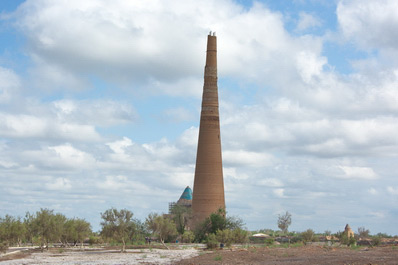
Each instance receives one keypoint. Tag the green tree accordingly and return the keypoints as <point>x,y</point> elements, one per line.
<point>76,230</point>
<point>160,226</point>
<point>180,215</point>
<point>118,225</point>
<point>45,226</point>
<point>216,221</point>
<point>284,221</point>
<point>12,230</point>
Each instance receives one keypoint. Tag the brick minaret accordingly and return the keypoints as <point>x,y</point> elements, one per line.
<point>208,189</point>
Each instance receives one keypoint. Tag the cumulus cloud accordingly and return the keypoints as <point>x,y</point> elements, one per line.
<point>30,126</point>
<point>140,43</point>
<point>371,23</point>
<point>96,112</point>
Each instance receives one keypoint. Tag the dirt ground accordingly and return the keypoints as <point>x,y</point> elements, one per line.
<point>194,255</point>
<point>101,256</point>
<point>298,255</point>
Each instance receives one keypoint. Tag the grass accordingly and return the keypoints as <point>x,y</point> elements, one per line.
<point>355,247</point>
<point>218,258</point>
<point>144,256</point>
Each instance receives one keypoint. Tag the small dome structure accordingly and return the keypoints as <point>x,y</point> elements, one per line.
<point>348,231</point>
<point>186,197</point>
<point>187,194</point>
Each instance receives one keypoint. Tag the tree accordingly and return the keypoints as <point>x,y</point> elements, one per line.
<point>180,214</point>
<point>12,230</point>
<point>161,226</point>
<point>362,232</point>
<point>218,221</point>
<point>76,230</point>
<point>118,225</point>
<point>46,226</point>
<point>284,221</point>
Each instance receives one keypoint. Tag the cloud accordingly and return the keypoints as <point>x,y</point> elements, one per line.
<point>9,85</point>
<point>271,182</point>
<point>30,126</point>
<point>96,112</point>
<point>243,157</point>
<point>160,49</point>
<point>373,191</point>
<point>358,173</point>
<point>59,184</point>
<point>372,24</point>
<point>307,21</point>
<point>279,192</point>
<point>392,190</point>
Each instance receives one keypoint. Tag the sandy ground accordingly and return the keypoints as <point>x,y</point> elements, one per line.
<point>96,257</point>
<point>196,255</point>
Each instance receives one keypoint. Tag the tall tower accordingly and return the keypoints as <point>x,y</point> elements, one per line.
<point>208,189</point>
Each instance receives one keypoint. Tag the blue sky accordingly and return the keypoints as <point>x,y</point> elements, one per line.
<point>100,105</point>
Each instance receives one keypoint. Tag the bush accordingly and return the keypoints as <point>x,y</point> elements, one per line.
<point>308,236</point>
<point>269,241</point>
<point>188,237</point>
<point>224,236</point>
<point>3,247</point>
<point>211,241</point>
<point>239,236</point>
<point>376,241</point>
<point>349,241</point>
<point>95,240</point>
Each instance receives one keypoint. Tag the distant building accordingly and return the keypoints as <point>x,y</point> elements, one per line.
<point>348,231</point>
<point>184,200</point>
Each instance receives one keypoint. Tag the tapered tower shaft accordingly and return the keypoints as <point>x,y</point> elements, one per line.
<point>208,190</point>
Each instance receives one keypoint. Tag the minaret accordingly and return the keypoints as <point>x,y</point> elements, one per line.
<point>208,189</point>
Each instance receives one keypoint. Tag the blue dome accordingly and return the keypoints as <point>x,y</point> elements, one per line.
<point>187,194</point>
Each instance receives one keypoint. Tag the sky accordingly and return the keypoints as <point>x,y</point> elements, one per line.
<point>100,108</point>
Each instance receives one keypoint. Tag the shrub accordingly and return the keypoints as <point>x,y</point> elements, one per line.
<point>211,241</point>
<point>269,241</point>
<point>239,236</point>
<point>376,241</point>
<point>349,241</point>
<point>188,237</point>
<point>3,247</point>
<point>308,236</point>
<point>224,236</point>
